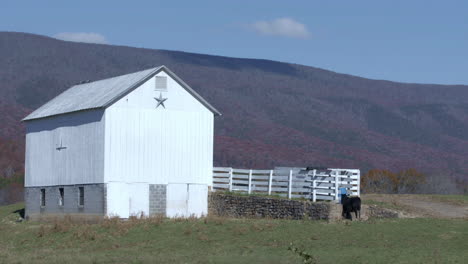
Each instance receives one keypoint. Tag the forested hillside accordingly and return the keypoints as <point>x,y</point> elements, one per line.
<point>274,113</point>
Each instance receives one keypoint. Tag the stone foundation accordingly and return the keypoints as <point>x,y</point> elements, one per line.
<point>94,201</point>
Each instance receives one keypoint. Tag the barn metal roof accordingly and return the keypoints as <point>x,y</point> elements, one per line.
<point>103,93</point>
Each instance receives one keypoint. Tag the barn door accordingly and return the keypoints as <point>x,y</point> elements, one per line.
<point>177,197</point>
<point>117,199</point>
<point>197,200</point>
<point>185,200</point>
<point>138,199</point>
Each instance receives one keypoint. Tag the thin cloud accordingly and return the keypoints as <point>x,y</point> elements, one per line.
<point>284,27</point>
<point>85,37</point>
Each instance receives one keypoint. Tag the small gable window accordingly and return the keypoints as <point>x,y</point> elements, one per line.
<point>161,83</point>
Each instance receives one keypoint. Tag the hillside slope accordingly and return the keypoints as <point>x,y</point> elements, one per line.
<point>274,114</point>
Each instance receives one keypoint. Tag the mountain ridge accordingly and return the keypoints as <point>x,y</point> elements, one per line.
<point>274,113</point>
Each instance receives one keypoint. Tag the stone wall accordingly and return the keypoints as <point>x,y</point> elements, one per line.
<point>230,205</point>
<point>255,206</point>
<point>157,199</point>
<point>94,201</point>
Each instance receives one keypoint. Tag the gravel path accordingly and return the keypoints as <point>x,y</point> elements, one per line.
<point>421,206</point>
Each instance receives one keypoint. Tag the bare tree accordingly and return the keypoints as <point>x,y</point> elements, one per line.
<point>408,181</point>
<point>378,181</point>
<point>438,184</point>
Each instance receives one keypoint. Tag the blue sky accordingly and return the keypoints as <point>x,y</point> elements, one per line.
<point>408,41</point>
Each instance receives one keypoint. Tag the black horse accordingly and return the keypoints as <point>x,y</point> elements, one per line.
<point>351,204</point>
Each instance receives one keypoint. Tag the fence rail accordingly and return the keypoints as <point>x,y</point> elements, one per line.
<point>291,183</point>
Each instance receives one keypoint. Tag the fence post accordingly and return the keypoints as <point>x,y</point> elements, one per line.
<point>270,181</point>
<point>290,184</point>
<point>359,184</point>
<point>250,181</point>
<point>230,179</point>
<point>336,187</point>
<point>314,186</point>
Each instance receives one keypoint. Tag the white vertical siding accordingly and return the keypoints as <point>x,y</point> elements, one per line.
<point>159,148</point>
<point>81,161</point>
<point>178,98</point>
<point>159,145</point>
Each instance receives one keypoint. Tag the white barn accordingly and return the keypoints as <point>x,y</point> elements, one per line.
<point>140,143</point>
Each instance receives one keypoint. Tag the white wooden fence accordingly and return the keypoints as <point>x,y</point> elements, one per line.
<point>292,183</point>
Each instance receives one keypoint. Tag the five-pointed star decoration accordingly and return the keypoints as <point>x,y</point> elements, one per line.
<point>160,101</point>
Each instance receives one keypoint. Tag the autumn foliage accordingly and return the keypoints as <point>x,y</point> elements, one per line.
<point>385,181</point>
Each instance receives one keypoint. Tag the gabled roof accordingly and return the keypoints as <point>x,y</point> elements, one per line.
<point>103,93</point>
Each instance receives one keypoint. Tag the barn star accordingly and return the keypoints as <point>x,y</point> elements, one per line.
<point>160,101</point>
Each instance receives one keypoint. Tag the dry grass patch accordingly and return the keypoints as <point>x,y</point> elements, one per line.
<point>214,219</point>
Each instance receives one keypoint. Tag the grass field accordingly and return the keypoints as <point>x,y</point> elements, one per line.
<point>457,199</point>
<point>221,240</point>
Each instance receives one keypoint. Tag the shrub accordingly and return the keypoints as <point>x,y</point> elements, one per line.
<point>385,181</point>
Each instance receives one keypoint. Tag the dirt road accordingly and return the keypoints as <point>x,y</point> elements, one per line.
<point>420,205</point>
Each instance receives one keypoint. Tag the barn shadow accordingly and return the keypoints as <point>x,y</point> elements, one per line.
<point>20,212</point>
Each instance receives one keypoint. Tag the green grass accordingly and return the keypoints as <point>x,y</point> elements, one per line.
<point>388,205</point>
<point>221,240</point>
<point>391,203</point>
<point>457,199</point>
